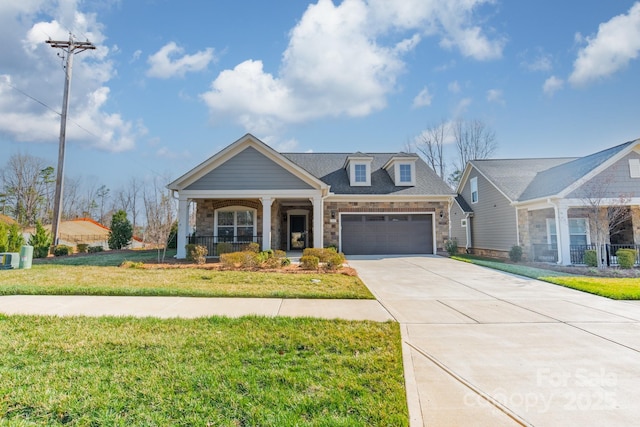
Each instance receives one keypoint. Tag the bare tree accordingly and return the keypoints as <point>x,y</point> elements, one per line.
<point>431,145</point>
<point>608,210</point>
<point>102,194</point>
<point>473,141</point>
<point>71,202</point>
<point>24,188</point>
<point>160,210</point>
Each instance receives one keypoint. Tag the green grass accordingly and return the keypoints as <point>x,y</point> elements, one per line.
<point>106,258</point>
<point>614,288</point>
<point>215,371</point>
<point>51,279</point>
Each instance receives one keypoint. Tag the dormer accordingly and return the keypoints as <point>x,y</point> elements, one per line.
<point>358,168</point>
<point>402,169</point>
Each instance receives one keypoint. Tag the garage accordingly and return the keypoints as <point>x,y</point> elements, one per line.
<point>378,234</point>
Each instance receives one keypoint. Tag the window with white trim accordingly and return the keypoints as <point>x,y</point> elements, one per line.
<point>235,224</point>
<point>474,189</point>
<point>578,231</point>
<point>360,172</point>
<point>405,173</point>
<point>634,168</point>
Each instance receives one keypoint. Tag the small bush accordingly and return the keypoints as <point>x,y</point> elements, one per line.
<point>626,258</point>
<point>132,264</point>
<point>244,259</point>
<point>196,253</point>
<point>95,249</point>
<point>451,246</point>
<point>41,241</point>
<point>515,254</point>
<point>309,262</point>
<point>335,262</point>
<point>82,248</point>
<point>285,262</point>
<point>323,254</point>
<point>62,250</point>
<point>224,248</point>
<point>591,258</point>
<point>279,254</point>
<point>251,247</point>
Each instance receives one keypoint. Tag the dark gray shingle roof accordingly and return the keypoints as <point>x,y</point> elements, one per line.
<point>529,179</point>
<point>463,204</point>
<point>329,167</point>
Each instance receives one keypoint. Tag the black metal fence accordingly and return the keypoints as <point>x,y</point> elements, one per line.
<point>549,253</point>
<point>216,245</point>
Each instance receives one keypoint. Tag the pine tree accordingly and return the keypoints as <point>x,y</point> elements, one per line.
<point>41,241</point>
<point>15,240</point>
<point>121,231</point>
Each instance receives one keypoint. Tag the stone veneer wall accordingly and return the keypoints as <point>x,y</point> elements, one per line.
<point>331,229</point>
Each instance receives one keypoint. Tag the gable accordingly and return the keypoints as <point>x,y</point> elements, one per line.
<point>612,182</point>
<point>249,170</point>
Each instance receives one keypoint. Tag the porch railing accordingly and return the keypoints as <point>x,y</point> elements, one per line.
<point>214,243</point>
<point>549,253</point>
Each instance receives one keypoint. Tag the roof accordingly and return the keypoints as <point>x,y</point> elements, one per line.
<point>463,204</point>
<point>329,167</point>
<point>530,179</point>
<point>7,219</point>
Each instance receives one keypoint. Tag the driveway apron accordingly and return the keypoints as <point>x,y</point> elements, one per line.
<point>485,348</point>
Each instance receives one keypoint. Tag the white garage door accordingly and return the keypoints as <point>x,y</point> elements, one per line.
<point>377,234</point>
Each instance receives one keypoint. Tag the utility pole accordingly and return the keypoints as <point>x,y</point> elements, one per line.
<point>69,49</point>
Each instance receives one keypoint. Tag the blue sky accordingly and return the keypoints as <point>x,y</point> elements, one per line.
<point>172,82</point>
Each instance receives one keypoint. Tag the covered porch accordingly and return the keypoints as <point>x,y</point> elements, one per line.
<point>291,221</point>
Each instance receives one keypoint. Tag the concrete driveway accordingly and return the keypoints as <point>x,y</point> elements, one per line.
<point>485,348</point>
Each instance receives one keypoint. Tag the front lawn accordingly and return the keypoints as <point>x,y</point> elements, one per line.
<point>211,371</point>
<point>55,279</point>
<point>615,288</point>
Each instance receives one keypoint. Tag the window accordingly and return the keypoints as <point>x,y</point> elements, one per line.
<point>578,231</point>
<point>360,172</point>
<point>634,168</point>
<point>474,190</point>
<point>235,225</point>
<point>405,173</point>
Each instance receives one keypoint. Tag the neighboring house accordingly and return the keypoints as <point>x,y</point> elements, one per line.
<point>7,220</point>
<point>547,206</point>
<point>389,203</point>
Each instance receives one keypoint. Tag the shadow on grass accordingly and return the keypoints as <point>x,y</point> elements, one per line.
<point>109,258</point>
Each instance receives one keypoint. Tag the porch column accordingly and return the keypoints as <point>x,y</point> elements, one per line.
<point>266,222</point>
<point>183,227</point>
<point>318,221</point>
<point>563,236</point>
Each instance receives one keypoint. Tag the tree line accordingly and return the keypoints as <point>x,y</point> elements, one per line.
<point>27,195</point>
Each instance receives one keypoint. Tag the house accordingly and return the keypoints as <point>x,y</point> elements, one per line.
<point>362,203</point>
<point>552,207</point>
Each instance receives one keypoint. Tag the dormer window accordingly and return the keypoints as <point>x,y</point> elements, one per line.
<point>402,170</point>
<point>358,168</point>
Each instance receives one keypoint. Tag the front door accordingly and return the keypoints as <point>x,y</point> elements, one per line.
<point>297,232</point>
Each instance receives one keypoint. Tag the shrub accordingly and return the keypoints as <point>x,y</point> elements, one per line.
<point>41,241</point>
<point>626,257</point>
<point>82,248</point>
<point>4,237</point>
<point>251,247</point>
<point>451,246</point>
<point>335,262</point>
<point>323,254</point>
<point>95,249</point>
<point>309,262</point>
<point>244,259</point>
<point>515,254</point>
<point>62,250</point>
<point>196,253</point>
<point>285,262</point>
<point>591,258</point>
<point>15,240</point>
<point>224,248</point>
<point>132,264</point>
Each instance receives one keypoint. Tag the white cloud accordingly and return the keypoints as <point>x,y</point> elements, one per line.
<point>167,62</point>
<point>552,85</point>
<point>462,107</point>
<point>33,67</point>
<point>454,87</point>
<point>423,99</point>
<point>541,62</point>
<point>614,46</point>
<point>343,60</point>
<point>495,96</point>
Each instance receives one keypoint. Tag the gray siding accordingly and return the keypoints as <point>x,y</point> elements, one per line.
<point>249,170</point>
<point>612,182</point>
<point>494,219</point>
<point>457,231</point>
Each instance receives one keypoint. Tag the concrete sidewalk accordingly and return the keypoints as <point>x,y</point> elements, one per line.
<point>185,307</point>
<point>485,348</point>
